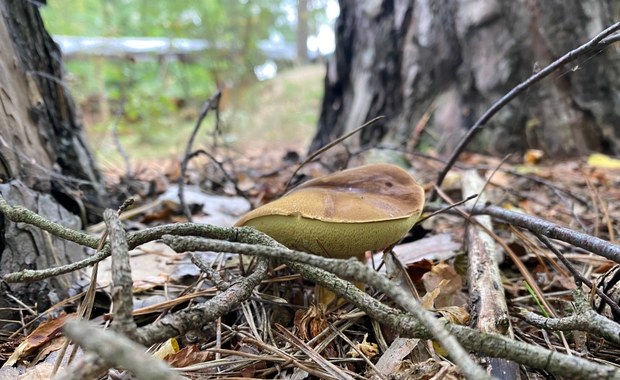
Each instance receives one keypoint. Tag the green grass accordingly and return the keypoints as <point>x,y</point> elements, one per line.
<point>281,112</point>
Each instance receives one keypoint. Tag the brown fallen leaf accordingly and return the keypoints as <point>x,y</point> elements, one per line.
<point>370,350</point>
<point>43,334</point>
<point>187,356</point>
<point>444,277</point>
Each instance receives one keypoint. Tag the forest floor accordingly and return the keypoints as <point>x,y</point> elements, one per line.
<point>253,339</point>
<point>581,195</point>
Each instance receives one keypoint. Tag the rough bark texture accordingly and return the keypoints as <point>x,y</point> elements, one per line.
<point>43,141</point>
<point>45,162</point>
<point>402,58</point>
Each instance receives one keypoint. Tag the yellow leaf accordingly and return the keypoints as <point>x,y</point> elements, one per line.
<point>598,160</point>
<point>171,346</point>
<point>369,349</point>
<point>533,156</point>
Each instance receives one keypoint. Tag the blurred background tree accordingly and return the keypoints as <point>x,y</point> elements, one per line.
<point>434,67</point>
<point>152,93</point>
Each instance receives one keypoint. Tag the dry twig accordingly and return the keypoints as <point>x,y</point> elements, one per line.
<point>406,324</point>
<point>584,319</point>
<point>211,104</point>
<point>116,350</point>
<point>487,301</point>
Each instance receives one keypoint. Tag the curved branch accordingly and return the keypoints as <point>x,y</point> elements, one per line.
<point>182,321</point>
<point>546,228</point>
<point>406,324</point>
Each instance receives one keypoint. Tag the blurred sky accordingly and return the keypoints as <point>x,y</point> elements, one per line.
<point>324,41</point>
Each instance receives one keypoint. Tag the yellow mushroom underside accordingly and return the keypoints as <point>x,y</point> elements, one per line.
<point>332,239</point>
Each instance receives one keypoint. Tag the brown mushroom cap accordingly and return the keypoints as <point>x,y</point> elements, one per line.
<point>343,214</point>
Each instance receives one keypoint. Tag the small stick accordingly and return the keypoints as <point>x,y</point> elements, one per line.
<point>211,104</point>
<point>329,146</point>
<point>486,293</point>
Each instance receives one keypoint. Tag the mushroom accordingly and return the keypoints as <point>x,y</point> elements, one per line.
<point>344,214</point>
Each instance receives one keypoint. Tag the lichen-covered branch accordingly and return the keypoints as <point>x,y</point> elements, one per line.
<point>406,324</point>
<point>584,319</point>
<point>195,317</point>
<point>116,350</point>
<point>122,283</point>
<point>488,344</point>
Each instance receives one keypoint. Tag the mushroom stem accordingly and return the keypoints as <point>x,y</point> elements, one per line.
<point>326,297</point>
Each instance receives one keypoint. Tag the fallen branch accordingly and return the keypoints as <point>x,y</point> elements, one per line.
<point>487,301</point>
<point>350,269</point>
<point>584,319</point>
<point>122,283</point>
<point>180,322</point>
<point>116,350</point>
<point>406,324</point>
<point>543,227</point>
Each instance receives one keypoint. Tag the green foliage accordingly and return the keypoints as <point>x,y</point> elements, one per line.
<point>157,96</point>
<point>233,25</point>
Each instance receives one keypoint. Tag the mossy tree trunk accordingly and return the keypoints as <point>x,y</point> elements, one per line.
<point>46,164</point>
<point>453,59</point>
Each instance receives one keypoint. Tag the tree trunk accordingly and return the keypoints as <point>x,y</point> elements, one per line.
<point>46,164</point>
<point>301,34</point>
<point>453,59</point>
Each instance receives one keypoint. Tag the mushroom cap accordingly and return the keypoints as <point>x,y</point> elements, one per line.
<point>343,214</point>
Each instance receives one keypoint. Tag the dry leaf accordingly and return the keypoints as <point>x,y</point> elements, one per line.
<point>41,371</point>
<point>602,161</point>
<point>417,270</point>
<point>454,314</point>
<point>428,301</point>
<point>443,276</point>
<point>370,350</point>
<point>187,356</point>
<point>310,323</point>
<point>533,156</point>
<point>436,247</point>
<point>169,347</point>
<point>38,338</point>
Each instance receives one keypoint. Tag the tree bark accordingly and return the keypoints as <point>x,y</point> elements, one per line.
<point>46,164</point>
<point>402,59</point>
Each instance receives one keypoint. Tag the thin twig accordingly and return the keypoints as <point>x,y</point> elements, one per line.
<point>351,269</point>
<point>325,364</point>
<point>446,208</point>
<point>117,140</point>
<point>579,278</point>
<point>229,177</point>
<point>211,104</point>
<point>584,319</point>
<point>543,227</point>
<point>327,147</point>
<point>117,350</point>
